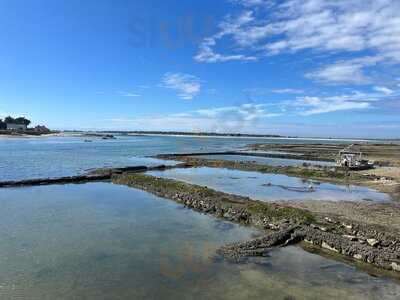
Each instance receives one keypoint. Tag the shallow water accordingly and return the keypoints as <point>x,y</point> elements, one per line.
<point>270,187</point>
<point>102,241</point>
<point>28,158</point>
<point>269,152</point>
<point>266,160</point>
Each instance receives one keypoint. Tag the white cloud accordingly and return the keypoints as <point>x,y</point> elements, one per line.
<point>288,91</point>
<point>384,90</point>
<point>266,28</point>
<point>239,118</point>
<point>345,72</point>
<point>207,54</point>
<point>252,2</point>
<point>319,105</point>
<point>228,27</point>
<point>246,112</point>
<point>187,86</point>
<point>342,72</point>
<point>127,94</point>
<point>356,100</point>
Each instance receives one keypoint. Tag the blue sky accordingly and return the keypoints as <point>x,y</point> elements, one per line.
<point>295,67</point>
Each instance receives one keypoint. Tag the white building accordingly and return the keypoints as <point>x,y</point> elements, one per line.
<point>11,126</point>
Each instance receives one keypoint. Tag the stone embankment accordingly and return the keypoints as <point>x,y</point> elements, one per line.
<point>283,225</point>
<point>305,157</point>
<point>94,175</point>
<point>49,181</point>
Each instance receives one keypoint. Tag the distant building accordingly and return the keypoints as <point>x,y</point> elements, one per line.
<point>13,126</point>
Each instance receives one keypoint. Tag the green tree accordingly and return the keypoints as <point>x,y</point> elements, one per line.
<point>3,125</point>
<point>22,121</point>
<point>9,119</point>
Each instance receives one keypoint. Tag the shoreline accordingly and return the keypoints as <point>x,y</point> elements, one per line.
<point>362,232</point>
<point>28,136</point>
<point>283,223</point>
<point>313,139</point>
<point>319,173</point>
<point>264,138</point>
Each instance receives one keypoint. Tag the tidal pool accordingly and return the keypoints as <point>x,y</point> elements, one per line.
<point>103,241</point>
<point>270,187</point>
<point>266,160</point>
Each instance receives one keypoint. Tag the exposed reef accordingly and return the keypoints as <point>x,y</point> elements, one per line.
<point>253,154</point>
<point>284,225</point>
<point>93,175</point>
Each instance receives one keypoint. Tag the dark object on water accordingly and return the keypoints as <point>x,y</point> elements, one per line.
<point>309,189</point>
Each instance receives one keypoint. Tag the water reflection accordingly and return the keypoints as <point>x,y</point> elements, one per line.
<point>26,158</point>
<point>266,160</point>
<point>271,187</point>
<point>101,241</point>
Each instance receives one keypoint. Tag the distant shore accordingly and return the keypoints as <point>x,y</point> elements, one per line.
<point>23,136</point>
<point>228,135</point>
<point>84,134</point>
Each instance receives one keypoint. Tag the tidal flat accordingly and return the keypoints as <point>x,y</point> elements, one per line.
<point>105,241</point>
<point>271,187</point>
<point>100,240</point>
<point>266,160</point>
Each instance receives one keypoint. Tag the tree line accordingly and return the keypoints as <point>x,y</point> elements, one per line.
<point>11,120</point>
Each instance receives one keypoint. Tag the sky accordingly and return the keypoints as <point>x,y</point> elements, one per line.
<point>326,68</point>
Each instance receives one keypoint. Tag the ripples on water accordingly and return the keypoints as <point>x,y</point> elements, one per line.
<point>102,241</point>
<point>63,156</point>
<point>270,187</point>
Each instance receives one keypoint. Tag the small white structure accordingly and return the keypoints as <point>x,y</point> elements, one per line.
<point>12,126</point>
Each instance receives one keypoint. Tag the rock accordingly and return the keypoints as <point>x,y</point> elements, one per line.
<point>235,208</point>
<point>319,227</point>
<point>273,226</point>
<point>326,246</point>
<point>350,237</point>
<point>395,266</point>
<point>349,227</point>
<point>372,242</point>
<point>260,246</point>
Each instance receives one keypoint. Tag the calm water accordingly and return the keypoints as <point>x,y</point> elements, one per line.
<point>266,160</point>
<point>270,187</point>
<point>62,156</point>
<point>102,241</point>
